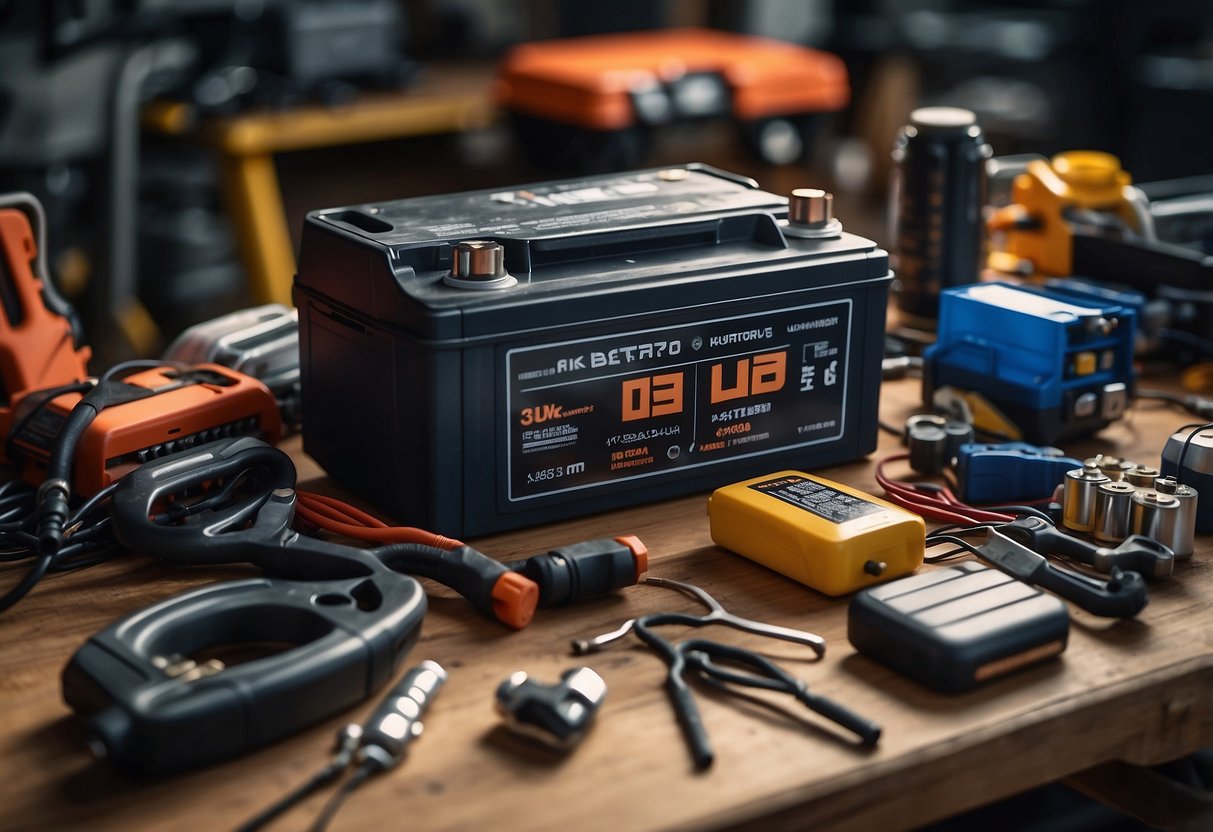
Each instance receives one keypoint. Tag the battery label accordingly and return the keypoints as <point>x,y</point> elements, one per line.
<point>817,498</point>
<point>589,412</point>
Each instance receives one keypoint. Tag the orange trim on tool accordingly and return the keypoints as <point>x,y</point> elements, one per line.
<point>515,598</point>
<point>640,553</point>
<point>37,348</point>
<point>109,449</point>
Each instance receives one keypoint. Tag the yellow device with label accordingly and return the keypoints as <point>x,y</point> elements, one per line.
<point>831,537</point>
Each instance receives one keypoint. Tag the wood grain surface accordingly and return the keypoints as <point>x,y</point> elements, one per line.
<point>1137,691</point>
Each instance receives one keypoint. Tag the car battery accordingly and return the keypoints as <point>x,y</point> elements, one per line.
<point>488,360</point>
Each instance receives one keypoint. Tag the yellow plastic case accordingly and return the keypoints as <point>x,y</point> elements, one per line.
<point>831,537</point>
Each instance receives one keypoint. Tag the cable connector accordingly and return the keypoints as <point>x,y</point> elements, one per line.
<point>397,721</point>
<point>572,573</point>
<point>53,509</point>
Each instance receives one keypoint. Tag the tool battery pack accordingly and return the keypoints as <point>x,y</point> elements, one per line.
<point>953,628</point>
<point>488,360</point>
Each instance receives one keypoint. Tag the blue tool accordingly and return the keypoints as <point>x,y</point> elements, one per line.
<point>1010,472</point>
<point>1056,365</point>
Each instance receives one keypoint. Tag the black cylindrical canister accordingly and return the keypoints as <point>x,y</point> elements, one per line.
<point>939,190</point>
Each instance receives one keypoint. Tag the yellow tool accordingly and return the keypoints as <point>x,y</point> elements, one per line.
<point>826,535</point>
<point>1084,187</point>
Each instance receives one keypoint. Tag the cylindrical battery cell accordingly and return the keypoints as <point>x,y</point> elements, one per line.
<point>928,449</point>
<point>938,193</point>
<point>1113,504</point>
<point>1114,467</point>
<point>1183,541</point>
<point>1078,497</point>
<point>1142,476</point>
<point>1156,515</point>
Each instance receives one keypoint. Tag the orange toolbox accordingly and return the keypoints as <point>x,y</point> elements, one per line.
<point>591,101</point>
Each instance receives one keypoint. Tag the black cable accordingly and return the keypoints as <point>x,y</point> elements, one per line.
<point>1183,452</point>
<point>1194,404</point>
<point>11,452</point>
<point>1188,339</point>
<point>85,545</point>
<point>125,367</point>
<point>304,790</point>
<point>1029,510</point>
<point>960,542</point>
<point>360,776</point>
<point>92,502</point>
<point>889,428</point>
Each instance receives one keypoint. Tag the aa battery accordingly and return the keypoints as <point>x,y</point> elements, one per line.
<point>939,191</point>
<point>1156,515</point>
<point>1078,497</point>
<point>1113,509</point>
<point>1182,540</point>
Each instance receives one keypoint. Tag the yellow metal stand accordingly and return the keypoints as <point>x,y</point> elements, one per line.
<point>450,101</point>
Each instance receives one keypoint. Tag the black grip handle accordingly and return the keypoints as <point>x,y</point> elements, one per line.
<point>155,709</point>
<point>147,521</point>
<point>1122,596</point>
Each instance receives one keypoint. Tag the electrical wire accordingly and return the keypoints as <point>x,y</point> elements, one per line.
<point>333,515</point>
<point>1183,451</point>
<point>1194,404</point>
<point>87,540</point>
<point>933,502</point>
<point>360,776</point>
<point>313,784</point>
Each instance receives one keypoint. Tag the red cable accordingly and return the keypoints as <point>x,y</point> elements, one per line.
<point>941,505</point>
<point>336,516</point>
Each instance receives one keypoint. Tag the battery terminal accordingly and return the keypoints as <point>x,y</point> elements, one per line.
<point>811,215</point>
<point>479,264</point>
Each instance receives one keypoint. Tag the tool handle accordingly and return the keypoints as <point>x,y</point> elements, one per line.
<point>1042,537</point>
<point>488,585</point>
<point>155,705</point>
<point>1123,595</point>
<point>148,520</point>
<point>867,730</point>
<point>690,720</point>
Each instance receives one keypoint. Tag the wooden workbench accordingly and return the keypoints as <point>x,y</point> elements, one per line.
<point>1139,691</point>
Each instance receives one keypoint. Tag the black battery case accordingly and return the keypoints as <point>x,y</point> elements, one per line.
<point>953,628</point>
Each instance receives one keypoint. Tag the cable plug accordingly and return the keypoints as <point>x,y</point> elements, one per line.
<point>397,721</point>
<point>53,509</point>
<point>573,573</point>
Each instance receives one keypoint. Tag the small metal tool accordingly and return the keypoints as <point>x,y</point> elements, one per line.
<point>709,657</point>
<point>557,715</point>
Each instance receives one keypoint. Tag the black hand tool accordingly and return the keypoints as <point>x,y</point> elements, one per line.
<point>1137,553</point>
<point>709,657</point>
<point>1123,595</point>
